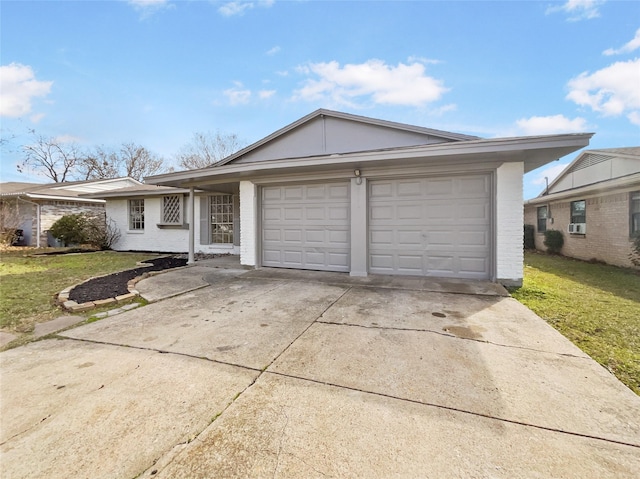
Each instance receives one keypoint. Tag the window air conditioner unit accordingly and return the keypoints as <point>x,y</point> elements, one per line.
<point>577,228</point>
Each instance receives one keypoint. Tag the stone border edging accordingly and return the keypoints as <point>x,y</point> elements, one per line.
<point>74,307</point>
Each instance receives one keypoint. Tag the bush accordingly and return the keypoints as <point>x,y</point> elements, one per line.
<point>529,237</point>
<point>635,251</point>
<point>554,241</point>
<point>70,229</point>
<point>86,228</point>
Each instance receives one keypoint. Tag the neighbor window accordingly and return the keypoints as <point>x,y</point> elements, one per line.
<point>634,207</point>
<point>172,210</point>
<point>579,211</point>
<point>136,214</point>
<point>542,219</point>
<point>221,214</point>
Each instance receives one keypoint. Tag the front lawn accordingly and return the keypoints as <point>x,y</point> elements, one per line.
<point>596,306</point>
<point>29,284</point>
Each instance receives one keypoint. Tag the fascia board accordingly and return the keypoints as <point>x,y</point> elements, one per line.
<point>77,199</point>
<point>592,189</point>
<point>508,149</point>
<point>139,193</point>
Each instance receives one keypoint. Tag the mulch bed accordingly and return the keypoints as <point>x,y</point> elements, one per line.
<point>116,284</point>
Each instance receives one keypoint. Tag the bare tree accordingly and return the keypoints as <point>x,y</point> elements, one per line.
<point>51,157</point>
<point>99,164</point>
<point>131,160</point>
<point>139,162</point>
<point>206,149</point>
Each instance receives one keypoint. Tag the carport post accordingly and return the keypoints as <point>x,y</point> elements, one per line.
<point>192,202</point>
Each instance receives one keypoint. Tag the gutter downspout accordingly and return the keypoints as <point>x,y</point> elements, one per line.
<point>37,219</point>
<point>191,256</point>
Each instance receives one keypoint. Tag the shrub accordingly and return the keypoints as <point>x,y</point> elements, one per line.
<point>529,237</point>
<point>635,251</point>
<point>101,232</point>
<point>70,229</point>
<point>86,228</point>
<point>554,241</point>
<point>9,222</point>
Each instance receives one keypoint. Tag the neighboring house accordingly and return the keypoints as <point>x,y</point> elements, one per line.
<point>340,192</point>
<point>595,202</point>
<point>38,206</point>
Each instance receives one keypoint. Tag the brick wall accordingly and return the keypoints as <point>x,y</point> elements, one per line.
<point>509,224</point>
<point>607,220</point>
<point>154,238</point>
<point>52,211</point>
<point>248,222</point>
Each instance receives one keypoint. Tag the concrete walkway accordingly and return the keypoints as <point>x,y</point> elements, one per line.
<point>288,374</point>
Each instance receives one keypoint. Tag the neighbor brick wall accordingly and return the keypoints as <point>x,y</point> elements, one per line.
<point>607,237</point>
<point>52,211</point>
<point>509,224</point>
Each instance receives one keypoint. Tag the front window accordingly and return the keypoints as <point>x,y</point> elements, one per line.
<point>634,206</point>
<point>221,208</point>
<point>172,210</point>
<point>542,219</point>
<point>136,214</point>
<point>579,211</point>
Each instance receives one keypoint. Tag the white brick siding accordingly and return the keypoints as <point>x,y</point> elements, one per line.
<point>153,238</point>
<point>248,223</point>
<point>509,224</point>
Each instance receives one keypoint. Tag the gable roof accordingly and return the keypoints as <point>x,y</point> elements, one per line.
<point>592,167</point>
<point>70,190</point>
<point>414,135</point>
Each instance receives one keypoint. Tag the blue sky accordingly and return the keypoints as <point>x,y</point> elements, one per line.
<point>156,71</point>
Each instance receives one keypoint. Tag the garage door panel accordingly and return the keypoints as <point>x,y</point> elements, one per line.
<point>478,186</point>
<point>431,226</point>
<point>339,237</point>
<point>441,187</point>
<point>338,192</point>
<point>313,221</point>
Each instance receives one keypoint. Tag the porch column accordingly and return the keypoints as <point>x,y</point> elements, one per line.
<point>192,202</point>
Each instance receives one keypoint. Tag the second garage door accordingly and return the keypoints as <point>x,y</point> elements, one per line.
<point>306,226</point>
<point>431,226</point>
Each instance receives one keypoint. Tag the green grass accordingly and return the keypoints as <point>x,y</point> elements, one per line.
<point>596,306</point>
<point>29,284</point>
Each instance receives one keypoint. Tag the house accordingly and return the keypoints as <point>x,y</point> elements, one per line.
<point>595,202</point>
<point>339,192</point>
<point>35,207</point>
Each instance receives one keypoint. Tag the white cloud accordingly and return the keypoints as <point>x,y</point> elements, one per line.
<point>273,51</point>
<point>578,9</point>
<point>548,125</point>
<point>18,87</point>
<point>238,95</point>
<point>628,47</point>
<point>265,94</point>
<point>634,117</point>
<point>149,7</point>
<point>231,9</point>
<point>550,172</point>
<point>381,83</point>
<point>612,91</point>
<point>67,139</point>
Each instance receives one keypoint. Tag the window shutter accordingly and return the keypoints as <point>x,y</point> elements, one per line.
<point>205,224</point>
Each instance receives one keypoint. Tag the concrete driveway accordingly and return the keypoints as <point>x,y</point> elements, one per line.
<point>289,374</point>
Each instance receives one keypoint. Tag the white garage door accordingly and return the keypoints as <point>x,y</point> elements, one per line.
<point>431,226</point>
<point>306,226</point>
